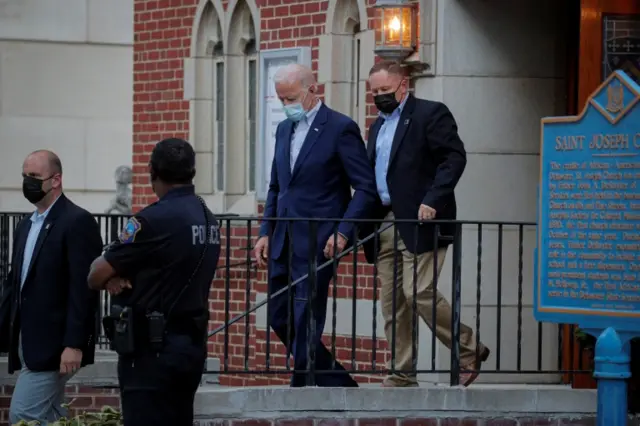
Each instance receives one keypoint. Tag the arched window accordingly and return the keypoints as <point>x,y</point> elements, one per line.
<point>205,88</point>
<point>242,106</point>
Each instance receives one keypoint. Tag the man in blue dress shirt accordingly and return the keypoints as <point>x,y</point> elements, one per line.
<point>418,159</point>
<point>47,313</point>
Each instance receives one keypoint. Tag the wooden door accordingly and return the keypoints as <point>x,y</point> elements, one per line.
<point>609,40</point>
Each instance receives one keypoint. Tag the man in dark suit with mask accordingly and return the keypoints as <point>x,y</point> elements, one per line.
<point>418,159</point>
<point>319,156</point>
<point>47,313</point>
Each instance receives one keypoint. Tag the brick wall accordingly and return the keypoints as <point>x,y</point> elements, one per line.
<point>162,40</point>
<point>83,399</point>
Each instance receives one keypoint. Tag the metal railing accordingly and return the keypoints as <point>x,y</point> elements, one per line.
<point>488,281</point>
<point>110,227</point>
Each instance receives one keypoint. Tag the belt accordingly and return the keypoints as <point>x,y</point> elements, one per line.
<point>175,326</point>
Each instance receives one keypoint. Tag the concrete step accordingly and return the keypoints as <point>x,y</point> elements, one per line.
<point>209,378</point>
<point>492,401</point>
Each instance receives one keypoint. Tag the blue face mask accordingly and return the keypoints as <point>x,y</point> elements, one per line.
<point>294,112</point>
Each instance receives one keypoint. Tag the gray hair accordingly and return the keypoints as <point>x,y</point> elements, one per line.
<point>292,73</point>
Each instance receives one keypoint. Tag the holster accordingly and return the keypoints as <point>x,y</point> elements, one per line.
<point>119,328</point>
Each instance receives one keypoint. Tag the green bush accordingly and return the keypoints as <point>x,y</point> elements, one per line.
<point>108,416</point>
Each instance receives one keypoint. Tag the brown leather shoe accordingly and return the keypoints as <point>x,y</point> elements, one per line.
<point>389,382</point>
<point>469,373</point>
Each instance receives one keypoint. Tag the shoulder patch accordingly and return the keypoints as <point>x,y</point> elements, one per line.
<point>128,234</point>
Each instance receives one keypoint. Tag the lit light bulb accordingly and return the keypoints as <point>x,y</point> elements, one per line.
<point>395,24</point>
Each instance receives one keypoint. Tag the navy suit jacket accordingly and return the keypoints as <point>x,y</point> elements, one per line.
<point>332,160</point>
<point>426,162</point>
<point>55,308</point>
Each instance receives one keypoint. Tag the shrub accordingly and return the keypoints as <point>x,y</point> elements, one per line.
<point>108,416</point>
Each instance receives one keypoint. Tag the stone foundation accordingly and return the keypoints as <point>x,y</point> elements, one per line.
<point>482,405</point>
<point>479,405</point>
<point>448,421</point>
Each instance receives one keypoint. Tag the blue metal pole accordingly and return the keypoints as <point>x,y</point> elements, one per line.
<point>612,369</point>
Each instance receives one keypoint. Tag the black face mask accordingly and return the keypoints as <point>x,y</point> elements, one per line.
<point>387,102</point>
<point>32,188</point>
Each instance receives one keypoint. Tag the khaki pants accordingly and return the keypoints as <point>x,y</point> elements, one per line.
<point>425,301</point>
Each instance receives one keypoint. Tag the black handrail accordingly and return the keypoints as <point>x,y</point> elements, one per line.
<point>298,281</point>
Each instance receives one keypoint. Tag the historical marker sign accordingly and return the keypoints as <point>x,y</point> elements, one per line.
<point>587,263</point>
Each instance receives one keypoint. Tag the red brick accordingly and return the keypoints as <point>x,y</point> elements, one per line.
<point>82,398</point>
<point>501,422</point>
<point>335,422</point>
<point>293,422</point>
<point>538,422</point>
<point>5,401</point>
<point>419,422</point>
<point>81,402</point>
<point>103,401</point>
<point>377,422</point>
<point>458,422</point>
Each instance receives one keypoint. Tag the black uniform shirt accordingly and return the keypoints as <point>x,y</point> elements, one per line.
<point>158,250</point>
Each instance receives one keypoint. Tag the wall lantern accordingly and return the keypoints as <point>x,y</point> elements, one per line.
<point>396,29</point>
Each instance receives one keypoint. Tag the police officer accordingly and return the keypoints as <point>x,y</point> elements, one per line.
<point>161,270</point>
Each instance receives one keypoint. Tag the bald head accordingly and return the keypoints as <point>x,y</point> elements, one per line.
<point>47,162</point>
<point>295,73</point>
<point>42,178</point>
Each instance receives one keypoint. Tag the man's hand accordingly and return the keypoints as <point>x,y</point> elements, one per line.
<point>70,360</point>
<point>426,213</point>
<point>334,246</point>
<point>116,285</point>
<point>261,251</point>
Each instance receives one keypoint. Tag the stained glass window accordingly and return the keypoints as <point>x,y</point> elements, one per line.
<point>622,45</point>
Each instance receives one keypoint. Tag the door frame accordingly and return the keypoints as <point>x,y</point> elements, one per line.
<point>580,85</point>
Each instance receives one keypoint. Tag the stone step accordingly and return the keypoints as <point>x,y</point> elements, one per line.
<point>311,404</point>
<point>213,364</point>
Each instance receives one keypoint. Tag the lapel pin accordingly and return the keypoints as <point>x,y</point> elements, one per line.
<point>315,129</point>
<point>47,226</point>
<point>406,122</point>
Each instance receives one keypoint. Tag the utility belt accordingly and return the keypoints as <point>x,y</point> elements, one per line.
<point>130,332</point>
<point>125,329</point>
